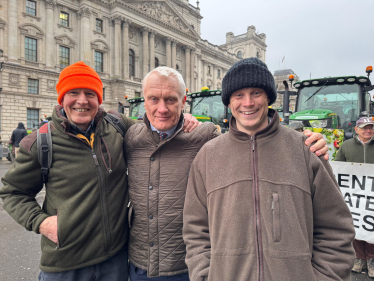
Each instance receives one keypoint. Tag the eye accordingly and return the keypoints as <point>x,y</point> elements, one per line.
<point>90,94</point>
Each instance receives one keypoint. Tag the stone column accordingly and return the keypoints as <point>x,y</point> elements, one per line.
<point>2,38</point>
<point>152,49</point>
<point>49,38</point>
<point>117,45</point>
<point>192,85</point>
<point>205,70</point>
<point>198,66</point>
<point>145,52</point>
<point>188,68</point>
<point>84,15</point>
<point>12,31</point>
<point>214,77</point>
<point>125,44</point>
<point>174,54</point>
<point>168,52</point>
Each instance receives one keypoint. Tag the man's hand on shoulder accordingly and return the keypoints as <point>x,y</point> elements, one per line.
<point>320,147</point>
<point>190,123</point>
<point>48,228</point>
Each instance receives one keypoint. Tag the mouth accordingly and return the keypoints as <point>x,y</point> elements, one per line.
<point>81,109</point>
<point>249,113</point>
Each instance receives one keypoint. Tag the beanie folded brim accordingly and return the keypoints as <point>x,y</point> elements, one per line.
<point>81,81</point>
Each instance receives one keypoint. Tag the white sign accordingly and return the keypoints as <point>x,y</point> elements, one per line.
<point>356,181</point>
<point>307,117</point>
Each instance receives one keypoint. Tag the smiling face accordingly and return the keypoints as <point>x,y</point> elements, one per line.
<point>365,133</point>
<point>163,101</point>
<point>249,106</point>
<point>81,106</point>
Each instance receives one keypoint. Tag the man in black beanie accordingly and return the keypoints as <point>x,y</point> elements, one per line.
<point>259,204</point>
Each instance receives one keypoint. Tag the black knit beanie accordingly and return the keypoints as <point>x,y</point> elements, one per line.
<point>248,73</point>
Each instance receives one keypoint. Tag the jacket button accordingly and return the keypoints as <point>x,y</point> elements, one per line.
<point>150,217</point>
<point>151,244</point>
<point>152,159</point>
<point>150,188</point>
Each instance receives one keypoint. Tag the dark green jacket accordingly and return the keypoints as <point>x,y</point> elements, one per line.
<point>86,189</point>
<point>354,151</point>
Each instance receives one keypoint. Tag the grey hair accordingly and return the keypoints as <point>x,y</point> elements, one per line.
<point>167,71</point>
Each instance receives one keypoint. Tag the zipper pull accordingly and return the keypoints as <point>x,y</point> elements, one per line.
<point>253,144</point>
<point>272,204</point>
<point>95,158</point>
<point>128,205</point>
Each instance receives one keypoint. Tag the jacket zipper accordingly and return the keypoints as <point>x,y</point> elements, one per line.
<point>102,191</point>
<point>257,211</point>
<point>103,201</point>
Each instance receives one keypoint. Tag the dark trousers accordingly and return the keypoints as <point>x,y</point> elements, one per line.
<point>137,274</point>
<point>113,269</point>
<point>363,249</point>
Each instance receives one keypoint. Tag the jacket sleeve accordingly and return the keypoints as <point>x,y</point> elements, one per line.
<point>333,233</point>
<point>195,223</point>
<point>12,138</point>
<point>21,184</point>
<point>340,155</point>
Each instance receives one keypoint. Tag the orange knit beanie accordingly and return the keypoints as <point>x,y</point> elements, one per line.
<point>79,75</point>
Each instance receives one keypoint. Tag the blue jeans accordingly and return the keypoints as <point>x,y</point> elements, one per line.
<point>137,274</point>
<point>113,269</point>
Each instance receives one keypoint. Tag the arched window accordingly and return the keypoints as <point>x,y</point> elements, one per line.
<point>258,54</point>
<point>131,63</point>
<point>240,55</point>
<point>157,64</point>
<point>177,66</point>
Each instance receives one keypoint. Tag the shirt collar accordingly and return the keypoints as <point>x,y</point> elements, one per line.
<point>76,130</point>
<point>169,132</point>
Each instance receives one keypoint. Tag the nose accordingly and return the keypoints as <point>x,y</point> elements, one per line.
<point>162,107</point>
<point>82,99</point>
<point>248,100</point>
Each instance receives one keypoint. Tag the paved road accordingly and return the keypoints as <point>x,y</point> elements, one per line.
<point>20,249</point>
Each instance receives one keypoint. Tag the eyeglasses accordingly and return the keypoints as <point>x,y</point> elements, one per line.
<point>367,128</point>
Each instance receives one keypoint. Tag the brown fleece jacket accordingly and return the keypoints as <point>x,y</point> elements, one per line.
<point>265,208</point>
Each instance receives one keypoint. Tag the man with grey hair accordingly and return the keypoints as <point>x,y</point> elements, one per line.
<point>159,155</point>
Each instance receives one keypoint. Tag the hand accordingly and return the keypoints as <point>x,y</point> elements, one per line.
<point>320,147</point>
<point>190,123</point>
<point>49,228</point>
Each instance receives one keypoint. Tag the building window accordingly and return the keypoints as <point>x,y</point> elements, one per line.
<point>157,63</point>
<point>218,73</point>
<point>30,49</point>
<point>31,7</point>
<point>208,69</point>
<point>32,118</point>
<point>99,25</point>
<point>137,94</point>
<point>131,63</point>
<point>258,54</point>
<point>177,67</point>
<point>99,61</point>
<point>33,86</point>
<point>103,94</point>
<point>240,55</point>
<point>64,57</point>
<point>64,19</point>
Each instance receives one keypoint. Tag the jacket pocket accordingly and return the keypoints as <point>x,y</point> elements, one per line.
<point>58,235</point>
<point>130,212</point>
<point>275,210</point>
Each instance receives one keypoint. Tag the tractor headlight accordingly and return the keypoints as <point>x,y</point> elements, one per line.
<point>318,123</point>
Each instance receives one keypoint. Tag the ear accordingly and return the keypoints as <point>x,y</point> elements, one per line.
<point>184,102</point>
<point>356,129</point>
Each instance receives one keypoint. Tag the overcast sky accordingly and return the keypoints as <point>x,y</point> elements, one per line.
<point>324,38</point>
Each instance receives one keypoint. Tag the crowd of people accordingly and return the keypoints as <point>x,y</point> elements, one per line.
<point>174,199</point>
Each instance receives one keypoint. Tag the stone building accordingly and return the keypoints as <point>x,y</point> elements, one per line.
<point>121,39</point>
<point>279,77</point>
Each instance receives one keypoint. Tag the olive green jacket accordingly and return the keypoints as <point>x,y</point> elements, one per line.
<point>354,151</point>
<point>86,189</point>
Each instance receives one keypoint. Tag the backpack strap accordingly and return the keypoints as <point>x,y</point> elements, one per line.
<point>44,145</point>
<point>117,123</point>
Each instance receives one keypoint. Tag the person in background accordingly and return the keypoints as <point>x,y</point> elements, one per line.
<point>360,149</point>
<point>17,135</point>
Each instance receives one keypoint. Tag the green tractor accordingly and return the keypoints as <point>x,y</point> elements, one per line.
<point>137,109</point>
<point>331,106</point>
<point>207,105</point>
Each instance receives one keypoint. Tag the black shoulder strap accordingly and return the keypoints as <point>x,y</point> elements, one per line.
<point>44,145</point>
<point>117,123</point>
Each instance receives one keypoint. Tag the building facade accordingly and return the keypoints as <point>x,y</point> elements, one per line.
<point>279,77</point>
<point>122,40</point>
